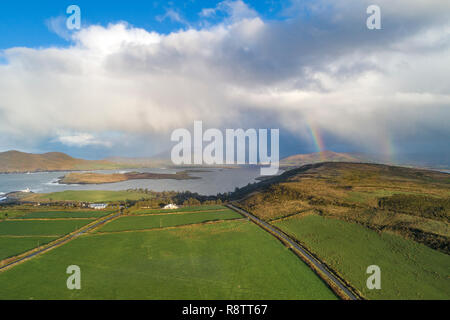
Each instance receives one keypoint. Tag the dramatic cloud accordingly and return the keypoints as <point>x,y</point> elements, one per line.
<point>318,70</point>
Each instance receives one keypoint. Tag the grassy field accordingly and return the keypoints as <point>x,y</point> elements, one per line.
<point>16,211</point>
<point>89,196</point>
<point>36,228</point>
<point>227,260</point>
<point>166,220</point>
<point>409,270</point>
<point>183,209</point>
<point>20,235</point>
<point>63,214</point>
<point>413,203</point>
<point>11,246</point>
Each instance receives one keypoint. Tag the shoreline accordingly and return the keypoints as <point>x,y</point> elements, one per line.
<point>186,168</point>
<point>88,178</point>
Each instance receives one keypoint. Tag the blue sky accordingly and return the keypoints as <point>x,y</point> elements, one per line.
<point>137,70</point>
<point>22,23</point>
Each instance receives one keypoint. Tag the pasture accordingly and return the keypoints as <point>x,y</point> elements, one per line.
<point>62,214</point>
<point>167,220</point>
<point>40,227</point>
<point>24,233</point>
<point>11,246</point>
<point>182,209</point>
<point>88,196</point>
<point>226,260</point>
<point>409,270</point>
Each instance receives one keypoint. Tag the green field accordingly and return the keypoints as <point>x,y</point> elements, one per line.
<point>413,203</point>
<point>47,227</point>
<point>63,214</point>
<point>409,270</point>
<point>89,196</point>
<point>14,212</point>
<point>11,246</point>
<point>166,220</point>
<point>227,260</point>
<point>183,209</point>
<point>20,235</point>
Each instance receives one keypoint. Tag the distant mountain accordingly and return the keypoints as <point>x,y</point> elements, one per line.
<point>16,161</point>
<point>20,162</point>
<point>323,156</point>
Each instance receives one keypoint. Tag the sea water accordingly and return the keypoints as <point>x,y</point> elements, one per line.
<point>211,182</point>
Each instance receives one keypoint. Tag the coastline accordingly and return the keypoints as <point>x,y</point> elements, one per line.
<point>103,178</point>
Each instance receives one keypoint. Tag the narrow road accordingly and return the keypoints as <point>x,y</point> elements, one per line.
<point>291,242</point>
<point>70,238</point>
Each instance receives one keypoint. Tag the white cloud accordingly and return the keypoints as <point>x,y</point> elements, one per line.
<point>81,140</point>
<point>236,10</point>
<point>207,12</point>
<point>173,16</point>
<point>57,25</point>
<point>360,86</point>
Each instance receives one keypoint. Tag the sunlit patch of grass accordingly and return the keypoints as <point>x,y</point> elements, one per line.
<point>227,260</point>
<point>408,270</point>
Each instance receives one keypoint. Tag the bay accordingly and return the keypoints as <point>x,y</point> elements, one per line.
<point>213,181</point>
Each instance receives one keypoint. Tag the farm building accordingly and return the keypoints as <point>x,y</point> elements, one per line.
<point>98,206</point>
<point>170,206</point>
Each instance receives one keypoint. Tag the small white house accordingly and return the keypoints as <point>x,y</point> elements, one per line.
<point>170,206</point>
<point>98,206</point>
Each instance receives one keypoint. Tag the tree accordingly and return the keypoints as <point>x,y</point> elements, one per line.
<point>191,202</point>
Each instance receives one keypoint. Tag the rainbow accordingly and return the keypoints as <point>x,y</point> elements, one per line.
<point>385,144</point>
<point>317,138</point>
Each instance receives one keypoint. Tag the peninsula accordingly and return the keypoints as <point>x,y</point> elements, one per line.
<point>101,178</point>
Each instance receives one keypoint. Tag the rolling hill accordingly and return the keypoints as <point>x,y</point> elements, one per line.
<point>413,203</point>
<point>16,161</point>
<point>355,215</point>
<point>323,156</point>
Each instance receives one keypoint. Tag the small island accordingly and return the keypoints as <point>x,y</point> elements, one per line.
<point>101,178</point>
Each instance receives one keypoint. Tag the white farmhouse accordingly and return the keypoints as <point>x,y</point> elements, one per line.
<point>170,206</point>
<point>98,206</point>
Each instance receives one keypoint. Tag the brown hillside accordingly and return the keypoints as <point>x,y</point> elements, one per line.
<point>15,161</point>
<point>414,203</point>
<point>323,156</point>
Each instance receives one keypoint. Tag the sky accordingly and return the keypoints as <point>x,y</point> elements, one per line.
<point>137,70</point>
